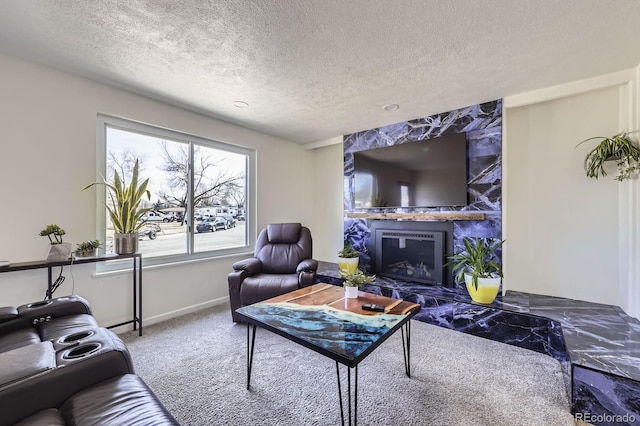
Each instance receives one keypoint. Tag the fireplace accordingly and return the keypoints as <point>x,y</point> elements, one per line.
<point>412,251</point>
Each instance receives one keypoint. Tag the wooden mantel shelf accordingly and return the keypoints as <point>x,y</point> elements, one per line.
<point>419,216</point>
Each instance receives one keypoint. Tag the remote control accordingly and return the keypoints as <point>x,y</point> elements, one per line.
<point>372,307</point>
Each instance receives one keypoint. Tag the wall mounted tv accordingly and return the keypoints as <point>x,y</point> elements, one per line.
<point>427,173</point>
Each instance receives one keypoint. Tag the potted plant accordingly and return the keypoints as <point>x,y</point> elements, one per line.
<point>480,267</point>
<point>87,248</point>
<point>348,259</point>
<point>58,250</point>
<point>124,209</point>
<point>353,280</point>
<point>619,148</point>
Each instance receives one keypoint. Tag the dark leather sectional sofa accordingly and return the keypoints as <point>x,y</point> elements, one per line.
<point>58,367</point>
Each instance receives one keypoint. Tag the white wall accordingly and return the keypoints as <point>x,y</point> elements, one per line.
<point>562,229</point>
<point>328,194</point>
<point>48,153</point>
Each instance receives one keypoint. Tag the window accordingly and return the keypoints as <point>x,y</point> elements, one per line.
<point>404,195</point>
<point>363,189</point>
<point>200,192</point>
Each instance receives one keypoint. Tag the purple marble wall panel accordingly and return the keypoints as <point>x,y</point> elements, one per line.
<point>603,399</point>
<point>467,119</point>
<point>357,233</point>
<point>483,127</point>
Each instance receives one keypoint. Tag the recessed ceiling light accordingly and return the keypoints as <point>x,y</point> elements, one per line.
<point>240,104</point>
<point>391,107</point>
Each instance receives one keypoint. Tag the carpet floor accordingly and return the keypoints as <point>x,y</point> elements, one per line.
<point>196,365</point>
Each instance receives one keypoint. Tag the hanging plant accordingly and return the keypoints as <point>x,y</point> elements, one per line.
<point>619,148</point>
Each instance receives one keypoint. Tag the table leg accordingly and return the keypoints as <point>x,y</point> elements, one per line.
<point>352,414</point>
<point>251,342</point>
<point>139,295</point>
<point>406,347</point>
<point>49,285</point>
<point>135,292</point>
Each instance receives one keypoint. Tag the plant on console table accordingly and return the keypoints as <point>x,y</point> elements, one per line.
<point>348,259</point>
<point>125,211</point>
<point>58,250</point>
<point>353,280</point>
<point>87,248</point>
<point>480,267</point>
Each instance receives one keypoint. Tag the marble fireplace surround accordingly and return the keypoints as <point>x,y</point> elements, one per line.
<point>481,217</point>
<point>598,345</point>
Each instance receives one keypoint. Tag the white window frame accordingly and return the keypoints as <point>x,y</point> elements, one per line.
<point>104,121</point>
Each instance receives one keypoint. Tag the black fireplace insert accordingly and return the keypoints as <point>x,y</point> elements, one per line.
<point>412,251</point>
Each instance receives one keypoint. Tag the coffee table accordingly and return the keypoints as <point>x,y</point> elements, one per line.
<point>320,318</point>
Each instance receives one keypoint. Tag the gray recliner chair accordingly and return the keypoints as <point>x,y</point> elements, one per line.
<point>282,263</point>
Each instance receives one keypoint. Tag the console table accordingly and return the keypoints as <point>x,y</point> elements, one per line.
<point>136,282</point>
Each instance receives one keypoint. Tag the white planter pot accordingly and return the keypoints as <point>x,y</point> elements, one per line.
<point>351,292</point>
<point>59,252</point>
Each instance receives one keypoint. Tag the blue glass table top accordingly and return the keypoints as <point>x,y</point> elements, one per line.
<point>320,318</point>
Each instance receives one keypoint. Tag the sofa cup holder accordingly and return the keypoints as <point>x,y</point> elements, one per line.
<point>81,351</point>
<point>72,338</point>
<point>39,304</point>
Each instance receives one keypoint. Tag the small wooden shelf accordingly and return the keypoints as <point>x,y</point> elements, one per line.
<point>419,216</point>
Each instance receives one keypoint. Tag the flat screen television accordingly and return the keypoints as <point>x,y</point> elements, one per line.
<point>427,173</point>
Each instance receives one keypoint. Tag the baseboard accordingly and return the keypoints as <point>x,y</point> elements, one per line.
<point>184,311</point>
<point>175,313</point>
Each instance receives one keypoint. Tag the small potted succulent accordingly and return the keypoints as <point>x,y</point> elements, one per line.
<point>348,259</point>
<point>479,266</point>
<point>58,250</point>
<point>87,248</point>
<point>353,280</point>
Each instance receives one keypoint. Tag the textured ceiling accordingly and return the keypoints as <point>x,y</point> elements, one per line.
<point>315,69</point>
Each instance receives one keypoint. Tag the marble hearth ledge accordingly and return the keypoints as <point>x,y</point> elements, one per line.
<point>419,216</point>
<point>598,345</point>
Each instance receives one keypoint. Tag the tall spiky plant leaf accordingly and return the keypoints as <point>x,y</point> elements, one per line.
<point>125,212</point>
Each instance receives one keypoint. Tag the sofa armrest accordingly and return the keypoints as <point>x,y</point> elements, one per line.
<point>7,313</point>
<point>42,311</point>
<point>59,307</point>
<point>251,266</point>
<point>307,272</point>
<point>307,265</point>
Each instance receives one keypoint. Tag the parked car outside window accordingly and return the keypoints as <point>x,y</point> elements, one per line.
<point>220,223</point>
<point>212,224</point>
<point>154,216</point>
<point>229,220</point>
